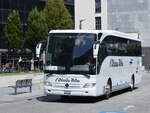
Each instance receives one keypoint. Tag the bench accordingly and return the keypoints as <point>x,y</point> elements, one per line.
<point>23,83</point>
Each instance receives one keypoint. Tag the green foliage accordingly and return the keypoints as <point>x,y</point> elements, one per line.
<point>57,16</point>
<point>13,31</point>
<point>37,29</point>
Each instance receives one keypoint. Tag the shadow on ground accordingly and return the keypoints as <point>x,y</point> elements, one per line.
<point>73,99</point>
<point>18,93</point>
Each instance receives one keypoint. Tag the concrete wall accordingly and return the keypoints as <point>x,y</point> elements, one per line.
<point>85,9</point>
<point>104,17</point>
<point>130,16</point>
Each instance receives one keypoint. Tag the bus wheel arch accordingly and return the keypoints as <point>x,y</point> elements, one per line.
<point>108,88</point>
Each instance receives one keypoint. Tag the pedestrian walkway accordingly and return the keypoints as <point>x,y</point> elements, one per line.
<point>6,81</point>
<point>7,93</point>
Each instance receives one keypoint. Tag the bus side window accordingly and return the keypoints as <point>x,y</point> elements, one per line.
<point>122,49</point>
<point>110,45</point>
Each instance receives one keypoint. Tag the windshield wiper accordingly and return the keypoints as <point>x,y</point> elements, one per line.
<point>86,75</point>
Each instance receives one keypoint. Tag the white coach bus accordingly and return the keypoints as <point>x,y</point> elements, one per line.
<point>91,62</point>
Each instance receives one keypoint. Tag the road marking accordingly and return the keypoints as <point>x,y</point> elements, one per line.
<point>128,107</point>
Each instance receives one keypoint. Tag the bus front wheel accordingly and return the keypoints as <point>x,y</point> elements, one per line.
<point>132,86</point>
<point>108,90</point>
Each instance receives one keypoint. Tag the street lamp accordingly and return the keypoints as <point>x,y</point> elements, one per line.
<point>80,25</point>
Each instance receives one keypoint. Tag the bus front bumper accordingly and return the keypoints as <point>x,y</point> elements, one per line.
<point>70,92</point>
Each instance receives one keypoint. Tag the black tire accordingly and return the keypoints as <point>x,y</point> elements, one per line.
<point>108,91</point>
<point>132,87</point>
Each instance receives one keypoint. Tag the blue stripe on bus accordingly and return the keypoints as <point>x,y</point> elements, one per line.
<point>120,85</point>
<point>117,86</point>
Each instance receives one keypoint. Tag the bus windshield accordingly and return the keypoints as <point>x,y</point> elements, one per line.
<point>71,53</point>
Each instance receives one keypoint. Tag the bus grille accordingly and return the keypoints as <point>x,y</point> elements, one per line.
<point>71,86</point>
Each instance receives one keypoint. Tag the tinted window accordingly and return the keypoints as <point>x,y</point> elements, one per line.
<point>72,51</point>
<point>117,46</point>
<point>134,48</point>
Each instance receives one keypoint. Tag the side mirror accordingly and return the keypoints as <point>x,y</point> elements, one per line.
<point>95,49</point>
<point>38,49</point>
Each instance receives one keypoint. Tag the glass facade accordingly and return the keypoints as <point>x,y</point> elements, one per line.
<point>24,7</point>
<point>6,6</point>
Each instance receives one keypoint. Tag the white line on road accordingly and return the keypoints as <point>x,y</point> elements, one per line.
<point>128,107</point>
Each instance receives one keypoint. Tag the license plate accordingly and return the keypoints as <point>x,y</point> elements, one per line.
<point>67,92</point>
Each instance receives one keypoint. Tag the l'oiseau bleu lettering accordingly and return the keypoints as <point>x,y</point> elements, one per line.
<point>67,80</point>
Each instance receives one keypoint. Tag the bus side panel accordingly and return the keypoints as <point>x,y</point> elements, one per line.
<point>103,77</point>
<point>120,70</point>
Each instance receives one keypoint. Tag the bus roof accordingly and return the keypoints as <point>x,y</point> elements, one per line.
<point>104,32</point>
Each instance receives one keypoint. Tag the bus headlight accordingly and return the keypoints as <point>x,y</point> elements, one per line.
<point>47,83</point>
<point>89,85</point>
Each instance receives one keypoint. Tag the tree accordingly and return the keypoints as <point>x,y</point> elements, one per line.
<point>37,29</point>
<point>57,16</point>
<point>13,32</point>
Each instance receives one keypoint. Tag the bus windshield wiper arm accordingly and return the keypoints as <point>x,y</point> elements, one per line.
<point>88,76</point>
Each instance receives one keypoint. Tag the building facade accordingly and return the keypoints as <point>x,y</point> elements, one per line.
<point>129,16</point>
<point>90,14</point>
